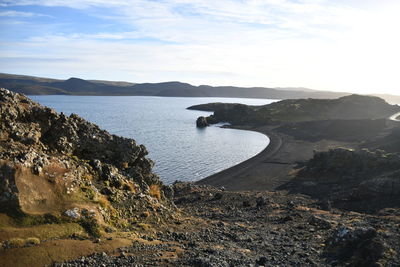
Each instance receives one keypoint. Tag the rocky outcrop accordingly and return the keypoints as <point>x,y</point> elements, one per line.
<point>343,162</point>
<point>340,130</point>
<point>359,246</point>
<point>359,180</point>
<point>53,163</point>
<point>352,107</point>
<point>201,122</point>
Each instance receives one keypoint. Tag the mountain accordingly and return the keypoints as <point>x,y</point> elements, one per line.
<point>74,86</point>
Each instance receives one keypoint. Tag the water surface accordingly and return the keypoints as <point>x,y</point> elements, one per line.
<point>168,130</point>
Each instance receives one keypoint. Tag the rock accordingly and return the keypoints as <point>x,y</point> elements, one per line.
<point>218,196</point>
<point>201,122</point>
<point>326,205</point>
<point>246,203</point>
<point>381,186</point>
<point>320,223</point>
<point>261,201</point>
<point>347,162</point>
<point>350,179</point>
<point>262,261</point>
<point>73,213</point>
<point>356,247</point>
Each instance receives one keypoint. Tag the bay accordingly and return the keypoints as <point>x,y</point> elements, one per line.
<point>168,130</point>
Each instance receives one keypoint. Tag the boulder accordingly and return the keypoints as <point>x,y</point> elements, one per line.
<point>201,122</point>
<point>359,246</point>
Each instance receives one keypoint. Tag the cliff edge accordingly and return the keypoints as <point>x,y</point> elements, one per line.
<point>64,170</point>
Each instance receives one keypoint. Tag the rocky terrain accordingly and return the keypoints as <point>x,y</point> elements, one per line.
<point>62,175</point>
<point>342,153</point>
<point>363,180</point>
<point>224,228</point>
<point>71,194</point>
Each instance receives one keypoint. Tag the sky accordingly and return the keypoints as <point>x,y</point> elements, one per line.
<point>338,45</point>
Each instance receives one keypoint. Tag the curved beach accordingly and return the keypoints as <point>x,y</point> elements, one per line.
<point>272,167</point>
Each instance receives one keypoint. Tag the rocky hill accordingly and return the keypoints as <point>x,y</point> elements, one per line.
<point>360,180</point>
<point>62,170</point>
<point>352,107</point>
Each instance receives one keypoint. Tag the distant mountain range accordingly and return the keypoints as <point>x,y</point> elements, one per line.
<point>30,85</point>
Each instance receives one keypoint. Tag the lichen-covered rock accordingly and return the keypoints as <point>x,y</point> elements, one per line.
<point>53,163</point>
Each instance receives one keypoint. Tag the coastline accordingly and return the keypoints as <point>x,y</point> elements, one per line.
<point>225,177</point>
<point>272,167</point>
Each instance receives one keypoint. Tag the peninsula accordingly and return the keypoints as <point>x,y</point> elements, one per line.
<point>346,138</point>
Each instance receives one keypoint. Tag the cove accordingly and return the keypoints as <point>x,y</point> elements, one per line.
<point>168,130</point>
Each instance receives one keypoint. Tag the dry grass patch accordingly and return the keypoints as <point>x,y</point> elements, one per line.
<point>155,191</point>
<point>129,186</point>
<point>57,251</point>
<point>45,231</point>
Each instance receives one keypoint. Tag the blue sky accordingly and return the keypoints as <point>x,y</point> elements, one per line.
<point>342,45</point>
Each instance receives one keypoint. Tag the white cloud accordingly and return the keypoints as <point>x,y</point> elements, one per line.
<point>311,43</point>
<point>13,13</point>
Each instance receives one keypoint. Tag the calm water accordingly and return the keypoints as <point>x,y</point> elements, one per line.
<point>168,130</point>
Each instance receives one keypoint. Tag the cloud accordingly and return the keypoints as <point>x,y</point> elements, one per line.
<point>62,3</point>
<point>19,14</point>
<point>336,45</point>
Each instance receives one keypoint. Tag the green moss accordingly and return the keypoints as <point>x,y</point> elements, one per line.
<point>75,158</point>
<point>91,226</point>
<point>89,192</point>
<point>32,220</point>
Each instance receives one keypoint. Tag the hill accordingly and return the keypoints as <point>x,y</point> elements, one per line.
<point>75,86</point>
<point>30,85</point>
<point>355,107</point>
<point>63,176</point>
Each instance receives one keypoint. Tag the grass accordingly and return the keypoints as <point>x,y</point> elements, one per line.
<point>155,191</point>
<point>89,192</point>
<point>45,254</point>
<point>45,231</point>
<point>129,186</point>
<point>16,242</point>
<point>91,226</point>
<point>32,241</point>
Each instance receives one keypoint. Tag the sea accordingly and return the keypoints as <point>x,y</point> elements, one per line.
<point>180,150</point>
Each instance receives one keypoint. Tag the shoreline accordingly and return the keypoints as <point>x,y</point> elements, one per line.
<point>271,168</point>
<point>222,177</point>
